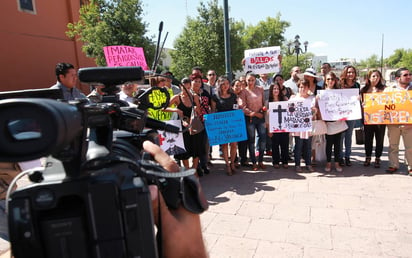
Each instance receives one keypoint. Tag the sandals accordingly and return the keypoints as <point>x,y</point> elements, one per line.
<point>367,162</point>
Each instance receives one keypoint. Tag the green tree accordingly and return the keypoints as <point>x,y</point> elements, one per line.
<point>202,42</point>
<point>400,58</point>
<point>266,33</point>
<point>111,22</point>
<point>372,62</point>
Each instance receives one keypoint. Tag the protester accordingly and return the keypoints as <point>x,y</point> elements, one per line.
<point>332,140</point>
<point>348,81</point>
<point>238,86</point>
<point>403,78</point>
<point>226,100</point>
<point>280,140</point>
<point>252,101</point>
<point>182,104</point>
<point>66,81</point>
<point>374,83</point>
<point>324,70</point>
<point>128,93</point>
<point>303,140</point>
<point>292,83</point>
<point>212,81</point>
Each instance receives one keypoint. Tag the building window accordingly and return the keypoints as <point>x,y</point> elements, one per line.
<point>27,6</point>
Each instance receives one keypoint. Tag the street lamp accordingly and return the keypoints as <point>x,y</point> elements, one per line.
<point>297,49</point>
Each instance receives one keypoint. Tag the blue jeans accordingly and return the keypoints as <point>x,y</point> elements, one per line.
<point>258,125</point>
<point>4,229</point>
<point>303,147</point>
<point>347,139</point>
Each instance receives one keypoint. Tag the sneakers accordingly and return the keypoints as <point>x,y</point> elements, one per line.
<point>298,169</point>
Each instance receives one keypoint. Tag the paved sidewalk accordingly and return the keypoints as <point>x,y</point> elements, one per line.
<point>362,212</point>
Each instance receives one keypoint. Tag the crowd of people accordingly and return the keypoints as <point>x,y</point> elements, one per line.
<point>252,94</point>
<point>200,95</point>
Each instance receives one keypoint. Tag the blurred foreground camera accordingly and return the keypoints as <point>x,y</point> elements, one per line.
<point>92,199</point>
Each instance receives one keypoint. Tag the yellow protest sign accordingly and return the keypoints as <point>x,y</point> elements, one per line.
<point>388,107</point>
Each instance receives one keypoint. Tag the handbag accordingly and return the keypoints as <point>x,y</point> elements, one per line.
<point>336,127</point>
<point>319,127</point>
<point>196,125</point>
<point>360,136</point>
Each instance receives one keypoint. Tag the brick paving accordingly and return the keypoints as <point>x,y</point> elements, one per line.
<point>362,212</point>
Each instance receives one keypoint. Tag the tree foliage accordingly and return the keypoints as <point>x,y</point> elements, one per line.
<point>266,33</point>
<point>111,22</point>
<point>202,42</point>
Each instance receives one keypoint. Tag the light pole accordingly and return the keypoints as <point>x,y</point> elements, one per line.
<point>296,48</point>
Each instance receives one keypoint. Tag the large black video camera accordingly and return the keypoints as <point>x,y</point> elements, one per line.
<point>92,199</point>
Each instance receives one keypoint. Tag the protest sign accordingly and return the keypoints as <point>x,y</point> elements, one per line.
<point>225,127</point>
<point>159,98</point>
<point>339,104</point>
<point>388,107</point>
<point>290,116</point>
<point>262,60</point>
<point>125,56</point>
<point>172,143</point>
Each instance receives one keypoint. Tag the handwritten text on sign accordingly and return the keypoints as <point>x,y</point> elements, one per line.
<point>125,56</point>
<point>339,104</point>
<point>290,116</point>
<point>225,127</point>
<point>388,107</point>
<point>262,60</point>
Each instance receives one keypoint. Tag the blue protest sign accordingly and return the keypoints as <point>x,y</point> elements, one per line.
<point>225,127</point>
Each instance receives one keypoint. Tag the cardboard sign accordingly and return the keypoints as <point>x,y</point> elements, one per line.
<point>290,116</point>
<point>262,60</point>
<point>172,143</point>
<point>159,98</point>
<point>388,107</point>
<point>339,104</point>
<point>125,56</point>
<point>225,127</point>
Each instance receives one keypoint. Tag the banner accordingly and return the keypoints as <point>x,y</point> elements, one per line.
<point>339,104</point>
<point>172,143</point>
<point>290,116</point>
<point>225,127</point>
<point>388,107</point>
<point>125,56</point>
<point>262,60</point>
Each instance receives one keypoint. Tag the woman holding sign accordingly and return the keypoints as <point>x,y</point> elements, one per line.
<point>374,83</point>
<point>280,140</point>
<point>332,140</point>
<point>303,140</point>
<point>252,99</point>
<point>348,81</point>
<point>226,100</point>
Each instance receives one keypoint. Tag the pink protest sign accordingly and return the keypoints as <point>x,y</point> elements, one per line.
<point>125,56</point>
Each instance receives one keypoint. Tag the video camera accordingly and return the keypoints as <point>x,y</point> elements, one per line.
<point>92,199</point>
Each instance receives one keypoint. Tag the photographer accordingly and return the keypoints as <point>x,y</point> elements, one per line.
<point>179,224</point>
<point>175,224</point>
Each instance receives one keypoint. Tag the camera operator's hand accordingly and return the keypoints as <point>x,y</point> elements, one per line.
<point>181,229</point>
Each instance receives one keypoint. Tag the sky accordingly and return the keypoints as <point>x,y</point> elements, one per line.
<point>336,29</point>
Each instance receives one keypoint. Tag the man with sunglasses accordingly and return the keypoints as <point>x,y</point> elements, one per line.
<point>403,78</point>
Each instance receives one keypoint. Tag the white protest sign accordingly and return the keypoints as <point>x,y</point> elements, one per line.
<point>339,104</point>
<point>262,60</point>
<point>290,116</point>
